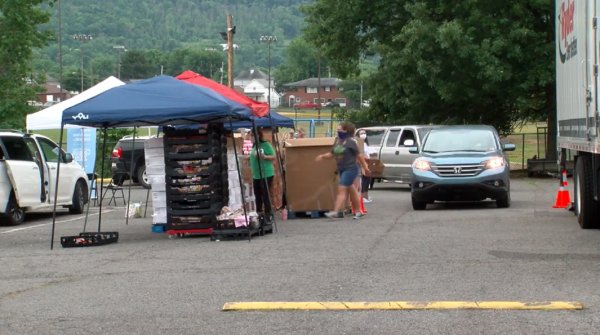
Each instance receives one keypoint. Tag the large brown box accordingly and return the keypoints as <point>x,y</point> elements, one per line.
<point>376,166</point>
<point>311,186</point>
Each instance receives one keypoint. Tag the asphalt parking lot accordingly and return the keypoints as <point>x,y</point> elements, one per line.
<point>149,284</point>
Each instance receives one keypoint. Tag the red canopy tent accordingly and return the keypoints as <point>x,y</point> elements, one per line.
<point>259,109</point>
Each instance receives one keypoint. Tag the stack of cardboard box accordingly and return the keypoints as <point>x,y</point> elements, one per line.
<point>154,153</point>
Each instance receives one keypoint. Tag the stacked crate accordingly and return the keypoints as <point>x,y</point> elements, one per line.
<point>155,170</point>
<point>196,177</point>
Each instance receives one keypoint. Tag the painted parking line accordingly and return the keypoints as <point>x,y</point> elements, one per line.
<point>49,223</point>
<point>404,305</point>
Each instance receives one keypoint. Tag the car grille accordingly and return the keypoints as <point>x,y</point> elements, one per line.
<point>457,170</point>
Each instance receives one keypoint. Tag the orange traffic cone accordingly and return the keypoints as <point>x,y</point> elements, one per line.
<point>362,207</point>
<point>563,199</point>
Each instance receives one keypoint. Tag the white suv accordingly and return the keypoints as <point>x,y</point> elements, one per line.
<point>28,167</point>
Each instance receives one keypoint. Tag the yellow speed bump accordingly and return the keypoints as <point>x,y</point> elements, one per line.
<point>403,305</point>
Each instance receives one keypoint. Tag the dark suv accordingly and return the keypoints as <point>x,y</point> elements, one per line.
<point>121,161</point>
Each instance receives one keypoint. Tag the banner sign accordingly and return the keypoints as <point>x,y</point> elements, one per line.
<point>81,143</point>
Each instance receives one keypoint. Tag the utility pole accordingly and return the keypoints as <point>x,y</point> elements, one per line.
<point>161,70</point>
<point>319,87</point>
<point>230,33</point>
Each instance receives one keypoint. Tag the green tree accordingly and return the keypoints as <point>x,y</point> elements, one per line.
<point>135,65</point>
<point>446,61</point>
<point>19,27</point>
<point>103,68</point>
<point>72,79</point>
<point>302,62</point>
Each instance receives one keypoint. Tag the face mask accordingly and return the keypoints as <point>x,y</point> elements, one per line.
<point>295,135</point>
<point>363,136</point>
<point>342,135</point>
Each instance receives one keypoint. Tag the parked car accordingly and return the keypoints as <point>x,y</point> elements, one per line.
<point>28,172</point>
<point>331,104</point>
<point>121,161</point>
<point>391,145</point>
<point>461,163</point>
<point>307,104</point>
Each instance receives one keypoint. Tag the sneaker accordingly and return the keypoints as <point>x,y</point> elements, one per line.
<point>367,201</point>
<point>359,215</point>
<point>334,215</point>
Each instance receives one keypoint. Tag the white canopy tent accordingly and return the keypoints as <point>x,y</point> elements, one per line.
<point>51,117</point>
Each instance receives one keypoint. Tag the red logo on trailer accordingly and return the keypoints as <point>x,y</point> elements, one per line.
<point>566,48</point>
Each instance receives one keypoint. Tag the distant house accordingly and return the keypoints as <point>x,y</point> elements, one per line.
<point>258,89</point>
<point>52,94</point>
<point>51,80</point>
<point>308,91</point>
<point>247,76</point>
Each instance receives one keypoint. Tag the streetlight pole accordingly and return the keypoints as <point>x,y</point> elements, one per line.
<point>118,48</point>
<point>268,40</point>
<point>60,51</point>
<point>319,86</point>
<point>81,39</point>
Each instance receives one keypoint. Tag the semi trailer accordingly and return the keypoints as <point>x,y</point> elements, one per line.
<point>577,92</point>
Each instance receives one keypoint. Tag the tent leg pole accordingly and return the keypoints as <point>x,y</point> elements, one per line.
<point>60,158</point>
<point>130,177</point>
<point>239,171</point>
<point>102,178</point>
<point>147,197</point>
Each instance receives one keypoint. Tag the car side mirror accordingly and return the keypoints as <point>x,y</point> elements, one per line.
<point>68,158</point>
<point>413,150</point>
<point>409,143</point>
<point>509,147</point>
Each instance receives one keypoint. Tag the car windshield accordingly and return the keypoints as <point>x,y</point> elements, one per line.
<point>375,136</point>
<point>448,140</point>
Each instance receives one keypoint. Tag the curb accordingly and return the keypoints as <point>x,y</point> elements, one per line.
<point>405,305</point>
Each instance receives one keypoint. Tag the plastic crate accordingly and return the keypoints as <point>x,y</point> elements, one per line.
<point>89,239</point>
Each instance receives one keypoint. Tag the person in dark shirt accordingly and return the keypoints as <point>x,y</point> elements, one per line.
<point>346,153</point>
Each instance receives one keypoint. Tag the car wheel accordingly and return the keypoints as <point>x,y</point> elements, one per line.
<point>418,205</point>
<point>142,176</point>
<point>585,207</point>
<point>78,199</point>
<point>15,215</point>
<point>504,203</point>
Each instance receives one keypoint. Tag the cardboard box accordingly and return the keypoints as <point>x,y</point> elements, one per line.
<point>239,142</point>
<point>311,186</point>
<point>376,166</point>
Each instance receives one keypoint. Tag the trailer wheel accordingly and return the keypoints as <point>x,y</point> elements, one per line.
<point>586,208</point>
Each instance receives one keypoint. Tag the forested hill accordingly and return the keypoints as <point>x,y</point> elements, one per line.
<point>170,24</point>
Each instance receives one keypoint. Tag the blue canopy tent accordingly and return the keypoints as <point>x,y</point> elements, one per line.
<point>263,122</point>
<point>156,101</point>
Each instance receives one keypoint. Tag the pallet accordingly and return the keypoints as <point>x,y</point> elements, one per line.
<point>311,214</point>
<point>189,232</point>
<point>159,228</point>
<point>238,234</point>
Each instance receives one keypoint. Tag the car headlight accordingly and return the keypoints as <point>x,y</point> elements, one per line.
<point>421,165</point>
<point>494,163</point>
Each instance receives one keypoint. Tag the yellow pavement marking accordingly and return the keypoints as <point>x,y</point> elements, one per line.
<point>105,180</point>
<point>404,305</point>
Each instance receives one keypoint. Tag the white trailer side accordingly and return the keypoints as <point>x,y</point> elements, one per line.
<point>577,85</point>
